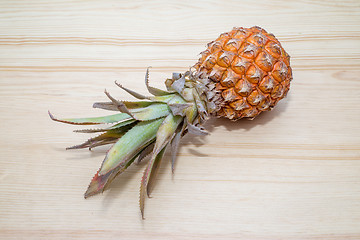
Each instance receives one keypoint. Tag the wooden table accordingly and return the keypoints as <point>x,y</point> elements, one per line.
<point>292,173</point>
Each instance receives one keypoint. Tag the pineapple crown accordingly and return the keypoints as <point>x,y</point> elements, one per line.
<point>144,129</point>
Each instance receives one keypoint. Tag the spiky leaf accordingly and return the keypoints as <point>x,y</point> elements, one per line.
<point>92,120</point>
<point>123,151</point>
<point>164,135</point>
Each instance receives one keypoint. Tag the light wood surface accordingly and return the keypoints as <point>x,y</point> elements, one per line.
<point>292,173</point>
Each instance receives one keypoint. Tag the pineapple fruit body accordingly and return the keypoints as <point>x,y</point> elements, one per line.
<point>249,72</point>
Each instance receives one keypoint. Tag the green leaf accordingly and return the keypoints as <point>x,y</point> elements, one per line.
<point>136,137</point>
<point>92,120</point>
<point>145,153</point>
<point>129,104</point>
<point>175,143</point>
<point>166,132</point>
<point>116,126</point>
<point>154,171</point>
<point>149,172</point>
<point>154,111</point>
<point>131,92</point>
<point>164,135</point>
<point>122,153</point>
<point>152,90</point>
<point>100,182</point>
<point>122,124</point>
<point>164,99</point>
<point>110,136</point>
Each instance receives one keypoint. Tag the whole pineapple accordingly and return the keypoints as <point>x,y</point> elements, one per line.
<point>241,74</point>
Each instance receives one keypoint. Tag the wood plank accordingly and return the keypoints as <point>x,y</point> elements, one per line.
<point>292,173</point>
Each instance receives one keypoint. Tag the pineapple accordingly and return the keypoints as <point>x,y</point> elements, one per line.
<point>241,74</point>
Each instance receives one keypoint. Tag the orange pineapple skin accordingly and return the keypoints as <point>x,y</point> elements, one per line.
<point>250,69</point>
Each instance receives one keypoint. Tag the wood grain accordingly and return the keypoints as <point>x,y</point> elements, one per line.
<point>292,173</point>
